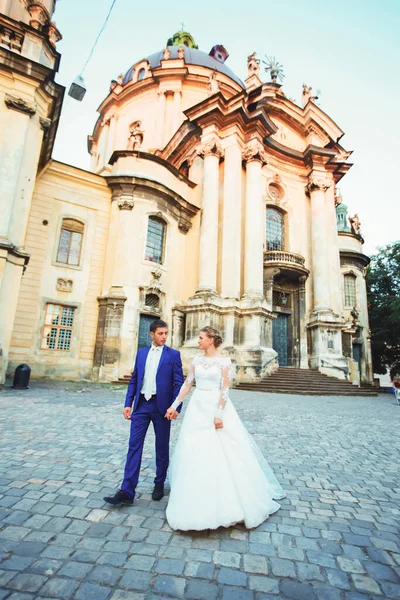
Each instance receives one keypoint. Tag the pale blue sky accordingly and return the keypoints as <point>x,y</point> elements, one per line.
<point>349,49</point>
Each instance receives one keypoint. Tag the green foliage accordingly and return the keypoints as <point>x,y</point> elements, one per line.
<point>383,286</point>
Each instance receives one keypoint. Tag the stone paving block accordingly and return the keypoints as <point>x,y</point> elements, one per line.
<point>170,566</point>
<point>354,552</point>
<point>200,570</point>
<point>85,556</point>
<point>74,569</point>
<point>365,584</point>
<point>307,572</point>
<point>14,533</point>
<point>27,582</point>
<point>260,583</point>
<point>263,549</point>
<point>171,552</point>
<point>18,517</point>
<point>232,577</point>
<point>140,563</point>
<point>200,555</point>
<point>89,543</point>
<point>6,576</point>
<point>253,563</point>
<point>290,553</point>
<point>172,586</point>
<point>115,559</point>
<point>321,558</point>
<point>135,580</point>
<point>338,579</point>
<point>45,566</point>
<point>226,559</point>
<point>17,563</point>
<point>283,568</point>
<point>105,575</point>
<point>380,556</point>
<point>90,591</point>
<point>391,590</point>
<point>325,592</point>
<point>125,595</point>
<point>297,591</point>
<point>57,552</point>
<point>200,590</point>
<point>231,593</point>
<point>350,565</point>
<point>381,572</point>
<point>158,537</point>
<point>138,534</point>
<point>56,587</point>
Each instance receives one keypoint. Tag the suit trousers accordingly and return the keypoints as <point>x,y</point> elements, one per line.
<point>146,412</point>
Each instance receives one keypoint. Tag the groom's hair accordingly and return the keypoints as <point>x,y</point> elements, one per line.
<point>156,324</point>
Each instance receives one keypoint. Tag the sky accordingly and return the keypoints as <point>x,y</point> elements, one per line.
<point>348,49</point>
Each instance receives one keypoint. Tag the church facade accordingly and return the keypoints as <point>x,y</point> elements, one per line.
<point>210,201</point>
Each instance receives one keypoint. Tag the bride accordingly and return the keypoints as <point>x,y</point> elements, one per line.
<point>218,475</point>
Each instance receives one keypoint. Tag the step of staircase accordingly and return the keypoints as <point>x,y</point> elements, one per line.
<point>288,380</point>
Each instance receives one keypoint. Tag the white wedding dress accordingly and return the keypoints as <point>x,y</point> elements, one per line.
<point>218,477</point>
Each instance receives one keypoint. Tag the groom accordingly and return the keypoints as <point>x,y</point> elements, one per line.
<point>156,380</point>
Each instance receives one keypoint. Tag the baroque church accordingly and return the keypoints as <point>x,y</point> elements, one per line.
<point>210,201</point>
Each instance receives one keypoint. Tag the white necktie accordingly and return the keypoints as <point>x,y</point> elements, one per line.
<point>150,375</point>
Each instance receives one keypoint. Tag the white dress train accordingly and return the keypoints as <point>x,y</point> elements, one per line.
<point>218,477</point>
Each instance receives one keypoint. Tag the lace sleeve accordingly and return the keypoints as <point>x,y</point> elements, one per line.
<point>226,380</point>
<point>187,386</point>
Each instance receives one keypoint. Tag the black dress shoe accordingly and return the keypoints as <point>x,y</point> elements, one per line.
<point>119,498</point>
<point>158,491</point>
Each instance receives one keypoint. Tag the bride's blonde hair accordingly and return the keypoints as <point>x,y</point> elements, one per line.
<point>213,333</point>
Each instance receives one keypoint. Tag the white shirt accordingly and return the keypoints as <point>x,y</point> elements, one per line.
<point>149,387</point>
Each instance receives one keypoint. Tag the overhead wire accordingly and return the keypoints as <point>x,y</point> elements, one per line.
<point>98,37</point>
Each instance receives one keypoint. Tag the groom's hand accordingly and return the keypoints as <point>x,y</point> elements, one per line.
<point>127,412</point>
<point>171,414</point>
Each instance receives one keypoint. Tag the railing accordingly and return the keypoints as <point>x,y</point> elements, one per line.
<point>281,256</point>
<point>10,39</point>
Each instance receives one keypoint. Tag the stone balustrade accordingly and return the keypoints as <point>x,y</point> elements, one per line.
<point>280,256</point>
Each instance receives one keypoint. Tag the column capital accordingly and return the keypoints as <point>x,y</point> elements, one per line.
<point>255,151</point>
<point>125,203</point>
<point>317,182</point>
<point>211,147</point>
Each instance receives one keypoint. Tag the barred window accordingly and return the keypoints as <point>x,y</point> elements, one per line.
<point>152,300</point>
<point>349,290</point>
<point>155,240</point>
<point>70,242</point>
<point>275,231</point>
<point>58,327</point>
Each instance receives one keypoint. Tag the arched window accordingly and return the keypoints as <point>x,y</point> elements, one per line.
<point>70,242</point>
<point>350,290</point>
<point>141,74</point>
<point>275,230</point>
<point>155,240</point>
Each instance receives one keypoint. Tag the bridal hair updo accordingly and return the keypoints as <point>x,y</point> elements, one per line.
<point>214,334</point>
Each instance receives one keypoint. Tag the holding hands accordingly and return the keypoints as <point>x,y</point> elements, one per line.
<point>171,414</point>
<point>218,423</point>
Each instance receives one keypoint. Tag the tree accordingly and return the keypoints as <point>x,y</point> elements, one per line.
<point>383,287</point>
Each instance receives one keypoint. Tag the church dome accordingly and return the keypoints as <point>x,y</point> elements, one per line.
<point>215,60</point>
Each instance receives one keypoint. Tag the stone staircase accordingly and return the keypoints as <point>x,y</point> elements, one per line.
<point>309,382</point>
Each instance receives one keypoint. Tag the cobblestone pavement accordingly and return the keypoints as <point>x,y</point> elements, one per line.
<point>336,536</point>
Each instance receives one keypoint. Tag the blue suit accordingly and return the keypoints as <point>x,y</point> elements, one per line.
<point>169,379</point>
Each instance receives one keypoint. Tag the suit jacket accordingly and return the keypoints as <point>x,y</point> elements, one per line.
<point>169,378</point>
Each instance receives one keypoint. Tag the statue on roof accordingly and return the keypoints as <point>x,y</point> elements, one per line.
<point>307,95</point>
<point>355,225</point>
<point>253,64</point>
<point>213,84</point>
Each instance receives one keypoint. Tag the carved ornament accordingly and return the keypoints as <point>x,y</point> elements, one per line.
<point>136,135</point>
<point>53,34</point>
<point>253,65</point>
<point>44,123</point>
<point>39,15</point>
<point>255,151</point>
<point>211,147</point>
<point>64,285</point>
<point>317,183</point>
<point>125,203</point>
<point>20,104</point>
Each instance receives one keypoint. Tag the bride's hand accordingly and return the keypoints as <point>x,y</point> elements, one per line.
<point>218,424</point>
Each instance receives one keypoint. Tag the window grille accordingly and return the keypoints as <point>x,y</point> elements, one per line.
<point>349,290</point>
<point>152,300</point>
<point>155,240</point>
<point>58,327</point>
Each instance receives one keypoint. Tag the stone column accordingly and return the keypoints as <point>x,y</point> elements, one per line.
<point>302,323</point>
<point>112,124</point>
<point>208,255</point>
<point>161,118</point>
<point>177,110</point>
<point>125,232</point>
<point>232,221</point>
<point>255,158</point>
<point>316,189</point>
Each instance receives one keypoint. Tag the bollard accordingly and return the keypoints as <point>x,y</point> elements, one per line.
<point>21,377</point>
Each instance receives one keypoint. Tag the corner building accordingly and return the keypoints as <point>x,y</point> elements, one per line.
<point>210,201</point>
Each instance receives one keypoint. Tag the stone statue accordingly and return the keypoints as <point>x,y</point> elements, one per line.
<point>213,84</point>
<point>167,53</point>
<point>135,138</point>
<point>253,65</point>
<point>181,52</point>
<point>355,224</point>
<point>307,95</point>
